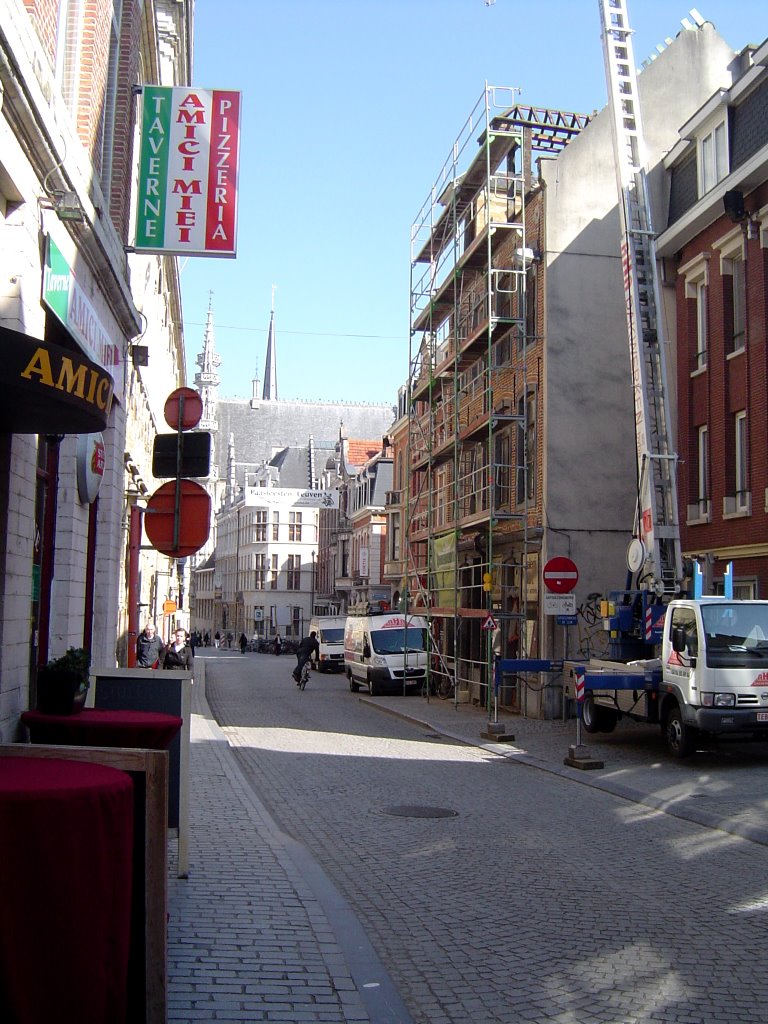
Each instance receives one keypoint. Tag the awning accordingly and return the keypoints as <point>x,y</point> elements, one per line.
<point>46,389</point>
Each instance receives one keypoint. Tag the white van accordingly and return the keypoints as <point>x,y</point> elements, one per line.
<point>386,650</point>
<point>330,636</point>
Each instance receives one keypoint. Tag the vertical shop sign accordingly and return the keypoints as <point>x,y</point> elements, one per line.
<point>188,171</point>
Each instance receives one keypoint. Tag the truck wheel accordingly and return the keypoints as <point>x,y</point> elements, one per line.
<point>353,685</point>
<point>590,715</point>
<point>596,718</point>
<point>680,738</point>
<point>373,689</point>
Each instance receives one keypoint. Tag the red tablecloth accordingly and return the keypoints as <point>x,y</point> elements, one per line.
<point>95,728</point>
<point>66,834</point>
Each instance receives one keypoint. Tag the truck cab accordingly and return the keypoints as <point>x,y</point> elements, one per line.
<point>715,667</point>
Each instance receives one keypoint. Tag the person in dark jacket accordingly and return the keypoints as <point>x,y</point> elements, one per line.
<point>243,643</point>
<point>149,647</point>
<point>304,652</point>
<point>178,654</point>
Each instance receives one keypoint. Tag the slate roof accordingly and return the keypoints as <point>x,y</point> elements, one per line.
<point>265,428</point>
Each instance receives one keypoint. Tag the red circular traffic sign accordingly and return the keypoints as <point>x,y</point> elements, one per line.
<point>560,575</point>
<point>194,518</point>
<point>183,409</point>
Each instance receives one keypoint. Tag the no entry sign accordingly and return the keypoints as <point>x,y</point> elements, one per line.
<point>560,575</point>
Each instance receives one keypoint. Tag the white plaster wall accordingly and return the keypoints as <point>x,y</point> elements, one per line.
<point>590,470</point>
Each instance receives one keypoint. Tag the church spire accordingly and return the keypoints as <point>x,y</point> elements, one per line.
<point>270,366</point>
<point>207,380</point>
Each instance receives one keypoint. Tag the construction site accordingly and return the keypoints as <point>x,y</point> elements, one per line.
<point>473,494</point>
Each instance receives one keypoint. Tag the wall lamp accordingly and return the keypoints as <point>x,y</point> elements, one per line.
<point>735,211</point>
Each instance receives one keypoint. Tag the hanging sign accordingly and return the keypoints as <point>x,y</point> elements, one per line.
<point>188,170</point>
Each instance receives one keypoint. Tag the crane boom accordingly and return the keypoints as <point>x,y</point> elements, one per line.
<point>654,553</point>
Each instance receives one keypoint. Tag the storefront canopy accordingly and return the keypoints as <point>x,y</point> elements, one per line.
<point>46,389</point>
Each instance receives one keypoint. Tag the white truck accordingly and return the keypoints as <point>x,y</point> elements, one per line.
<point>330,637</point>
<point>711,679</point>
<point>386,652</point>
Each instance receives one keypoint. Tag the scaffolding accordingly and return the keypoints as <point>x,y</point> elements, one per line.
<point>472,501</point>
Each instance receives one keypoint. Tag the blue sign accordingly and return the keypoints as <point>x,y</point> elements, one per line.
<point>567,620</point>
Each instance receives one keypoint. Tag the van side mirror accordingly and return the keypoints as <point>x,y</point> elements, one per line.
<point>678,639</point>
<point>366,650</point>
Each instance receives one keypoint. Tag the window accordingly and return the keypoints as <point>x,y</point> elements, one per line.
<point>275,526</point>
<point>393,536</point>
<point>260,574</point>
<point>502,445</point>
<point>741,459</point>
<point>274,573</point>
<point>531,303</point>
<point>110,98</point>
<point>739,305</point>
<point>713,158</point>
<point>68,35</point>
<point>526,448</point>
<point>699,510</point>
<point>261,524</point>
<point>294,527</point>
<point>732,254</point>
<point>696,276</point>
<point>294,572</point>
<point>701,325</point>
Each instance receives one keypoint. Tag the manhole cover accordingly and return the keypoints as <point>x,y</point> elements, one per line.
<point>415,811</point>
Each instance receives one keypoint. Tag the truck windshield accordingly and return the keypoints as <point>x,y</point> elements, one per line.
<point>332,636</point>
<point>736,635</point>
<point>399,641</point>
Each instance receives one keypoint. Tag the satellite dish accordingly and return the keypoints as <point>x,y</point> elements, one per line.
<point>636,555</point>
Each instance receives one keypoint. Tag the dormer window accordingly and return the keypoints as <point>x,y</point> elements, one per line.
<point>713,157</point>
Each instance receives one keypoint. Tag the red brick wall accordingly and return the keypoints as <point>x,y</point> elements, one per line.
<point>712,397</point>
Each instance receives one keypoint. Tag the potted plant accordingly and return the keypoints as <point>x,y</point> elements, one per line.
<point>62,684</point>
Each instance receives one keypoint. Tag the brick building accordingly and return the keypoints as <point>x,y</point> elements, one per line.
<point>89,332</point>
<point>713,248</point>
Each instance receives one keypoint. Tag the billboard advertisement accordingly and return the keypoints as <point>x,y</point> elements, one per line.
<point>188,171</point>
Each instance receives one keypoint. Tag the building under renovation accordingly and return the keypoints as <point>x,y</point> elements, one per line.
<point>517,441</point>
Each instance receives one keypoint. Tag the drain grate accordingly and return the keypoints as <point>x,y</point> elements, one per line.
<point>417,811</point>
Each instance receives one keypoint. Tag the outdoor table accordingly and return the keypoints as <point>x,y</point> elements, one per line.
<point>93,727</point>
<point>66,857</point>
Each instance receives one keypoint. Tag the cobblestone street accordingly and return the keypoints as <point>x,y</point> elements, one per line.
<point>539,898</point>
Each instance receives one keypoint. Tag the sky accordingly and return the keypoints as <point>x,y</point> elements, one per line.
<point>349,111</point>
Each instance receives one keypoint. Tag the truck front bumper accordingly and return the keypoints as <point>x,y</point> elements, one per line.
<point>720,720</point>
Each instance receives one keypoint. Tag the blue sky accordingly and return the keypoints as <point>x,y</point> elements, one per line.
<point>349,112</point>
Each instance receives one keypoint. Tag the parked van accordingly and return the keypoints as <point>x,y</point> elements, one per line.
<point>385,650</point>
<point>330,636</point>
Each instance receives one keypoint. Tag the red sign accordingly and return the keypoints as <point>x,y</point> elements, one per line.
<point>560,575</point>
<point>183,409</point>
<point>194,518</point>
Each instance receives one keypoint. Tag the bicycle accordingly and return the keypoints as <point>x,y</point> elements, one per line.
<point>306,668</point>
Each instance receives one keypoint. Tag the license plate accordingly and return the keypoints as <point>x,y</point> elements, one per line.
<point>762,716</point>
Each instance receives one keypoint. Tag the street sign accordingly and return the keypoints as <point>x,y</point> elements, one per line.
<point>567,620</point>
<point>559,604</point>
<point>169,607</point>
<point>185,454</point>
<point>489,623</point>
<point>194,518</point>
<point>183,409</point>
<point>560,575</point>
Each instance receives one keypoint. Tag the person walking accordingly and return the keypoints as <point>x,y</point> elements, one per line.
<point>243,643</point>
<point>178,654</point>
<point>149,647</point>
<point>304,652</point>
<point>278,644</point>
